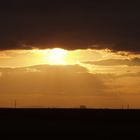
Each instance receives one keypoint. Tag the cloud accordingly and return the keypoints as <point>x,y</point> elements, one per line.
<point>0,74</point>
<point>46,85</point>
<point>70,24</point>
<point>50,80</point>
<point>72,80</point>
<point>113,62</point>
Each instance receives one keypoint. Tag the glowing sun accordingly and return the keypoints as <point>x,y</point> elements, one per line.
<point>57,56</point>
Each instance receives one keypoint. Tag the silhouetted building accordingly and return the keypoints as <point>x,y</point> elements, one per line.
<point>83,107</point>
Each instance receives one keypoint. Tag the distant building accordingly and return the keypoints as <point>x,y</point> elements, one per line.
<point>83,107</point>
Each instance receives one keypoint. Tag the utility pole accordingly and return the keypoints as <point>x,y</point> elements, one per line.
<point>128,107</point>
<point>15,104</point>
<point>122,107</point>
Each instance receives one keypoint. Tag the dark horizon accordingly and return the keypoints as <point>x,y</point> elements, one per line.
<point>99,123</point>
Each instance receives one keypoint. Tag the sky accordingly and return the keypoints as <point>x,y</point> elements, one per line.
<point>69,53</point>
<point>72,24</point>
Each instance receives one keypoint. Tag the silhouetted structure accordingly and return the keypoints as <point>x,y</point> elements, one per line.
<point>15,104</point>
<point>122,106</point>
<point>83,107</point>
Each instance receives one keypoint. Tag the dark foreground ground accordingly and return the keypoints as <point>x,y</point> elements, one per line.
<point>98,122</point>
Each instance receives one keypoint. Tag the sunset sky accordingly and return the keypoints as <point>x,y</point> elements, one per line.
<point>69,53</point>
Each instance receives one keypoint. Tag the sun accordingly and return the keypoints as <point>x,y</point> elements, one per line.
<point>57,56</point>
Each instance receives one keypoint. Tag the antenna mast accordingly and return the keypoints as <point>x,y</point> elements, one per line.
<point>15,104</point>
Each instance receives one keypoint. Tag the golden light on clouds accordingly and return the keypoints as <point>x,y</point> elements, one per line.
<point>57,56</point>
<point>95,61</point>
<point>69,77</point>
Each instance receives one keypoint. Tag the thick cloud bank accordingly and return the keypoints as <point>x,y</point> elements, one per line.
<point>70,24</point>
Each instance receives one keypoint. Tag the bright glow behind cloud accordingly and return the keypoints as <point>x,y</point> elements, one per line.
<point>98,78</point>
<point>89,58</point>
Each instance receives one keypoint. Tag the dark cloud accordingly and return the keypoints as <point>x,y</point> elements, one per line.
<point>112,62</point>
<point>70,24</point>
